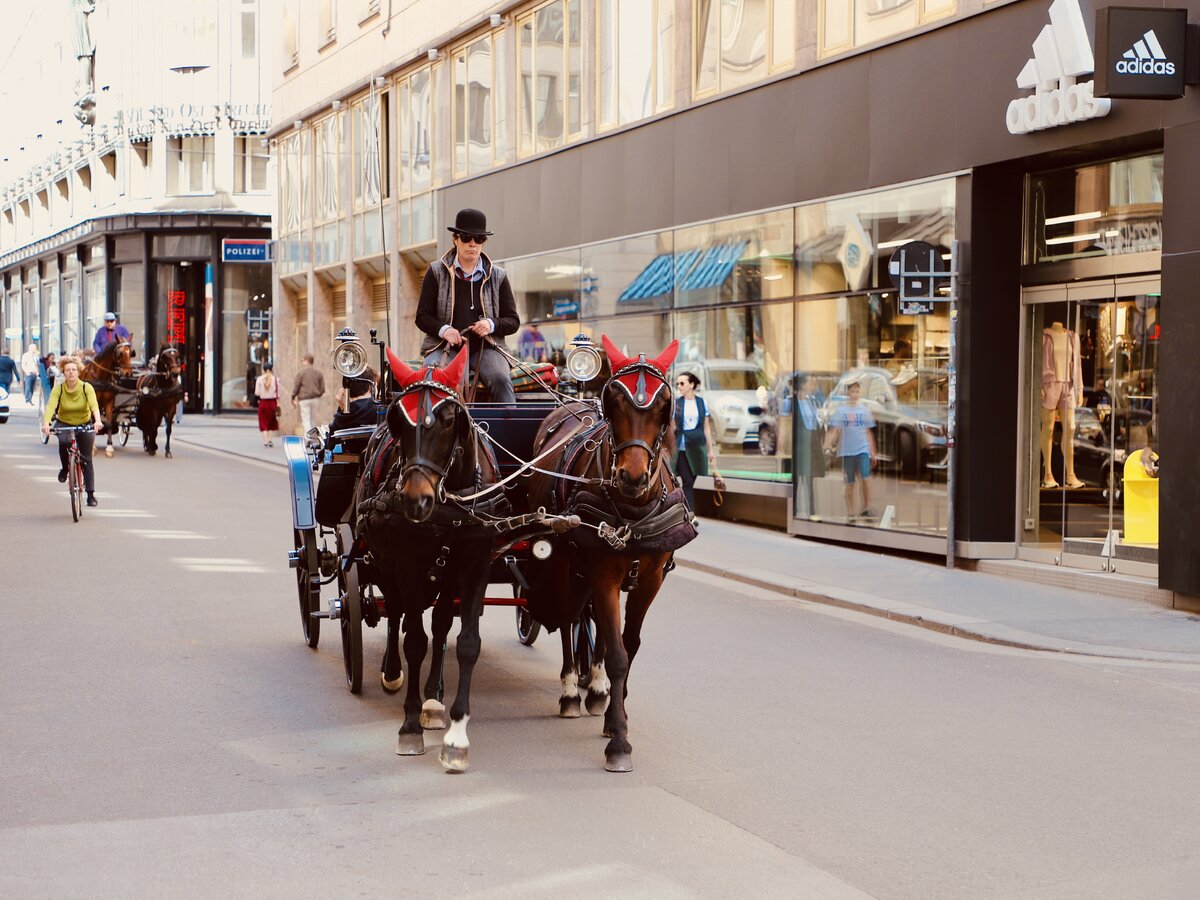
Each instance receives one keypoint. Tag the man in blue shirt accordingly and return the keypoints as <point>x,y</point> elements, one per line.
<point>108,332</point>
<point>850,429</point>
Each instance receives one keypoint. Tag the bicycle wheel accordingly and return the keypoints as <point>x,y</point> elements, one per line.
<point>41,413</point>
<point>75,486</point>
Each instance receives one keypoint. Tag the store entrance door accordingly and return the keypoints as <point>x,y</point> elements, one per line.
<point>1091,417</point>
<point>179,319</point>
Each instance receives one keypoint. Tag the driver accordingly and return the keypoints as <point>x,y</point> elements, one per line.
<point>465,296</point>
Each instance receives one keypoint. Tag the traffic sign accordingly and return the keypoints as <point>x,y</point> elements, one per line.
<point>917,269</point>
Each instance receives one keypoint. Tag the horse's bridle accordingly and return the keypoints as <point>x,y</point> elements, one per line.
<point>424,418</point>
<point>642,396</point>
<point>117,371</point>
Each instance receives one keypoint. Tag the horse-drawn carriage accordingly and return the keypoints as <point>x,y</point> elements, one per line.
<point>444,501</point>
<point>135,398</point>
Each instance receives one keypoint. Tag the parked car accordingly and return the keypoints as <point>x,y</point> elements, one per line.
<point>910,412</point>
<point>3,406</point>
<point>730,388</point>
<point>776,407</point>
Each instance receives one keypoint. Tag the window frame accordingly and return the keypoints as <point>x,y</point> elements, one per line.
<point>529,17</point>
<point>655,17</point>
<point>497,69</point>
<point>773,67</point>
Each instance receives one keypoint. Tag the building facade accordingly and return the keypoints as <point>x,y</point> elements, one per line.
<point>736,174</point>
<point>136,181</point>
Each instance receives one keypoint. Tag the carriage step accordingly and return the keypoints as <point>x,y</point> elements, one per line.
<point>293,559</point>
<point>334,611</point>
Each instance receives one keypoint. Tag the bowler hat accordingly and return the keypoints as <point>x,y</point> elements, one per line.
<point>469,221</point>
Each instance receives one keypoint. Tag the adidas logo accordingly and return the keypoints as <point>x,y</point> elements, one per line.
<point>1145,57</point>
<point>1061,53</point>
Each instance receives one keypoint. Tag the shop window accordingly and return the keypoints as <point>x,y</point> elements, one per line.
<point>550,61</point>
<point>739,42</point>
<point>635,59</point>
<point>250,164</point>
<point>51,333</point>
<point>416,157</point>
<point>190,165</point>
<point>735,260</point>
<point>899,366</point>
<point>72,340</point>
<point>845,244</point>
<point>1110,209</point>
<point>95,301</point>
<point>129,296</point>
<point>846,24</point>
<point>245,331</point>
<point>547,289</point>
<point>630,275</point>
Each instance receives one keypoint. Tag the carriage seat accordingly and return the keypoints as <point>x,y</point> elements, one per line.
<point>344,461</point>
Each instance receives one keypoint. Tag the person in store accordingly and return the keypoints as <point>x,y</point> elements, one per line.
<point>810,456</point>
<point>110,331</point>
<point>851,431</point>
<point>467,297</point>
<point>693,428</point>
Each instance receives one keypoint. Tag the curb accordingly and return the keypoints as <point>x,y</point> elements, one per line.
<point>945,628</point>
<point>239,454</point>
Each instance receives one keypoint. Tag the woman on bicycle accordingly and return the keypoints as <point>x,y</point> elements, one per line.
<point>73,403</point>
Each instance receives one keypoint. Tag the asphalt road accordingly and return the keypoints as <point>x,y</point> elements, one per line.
<point>165,732</point>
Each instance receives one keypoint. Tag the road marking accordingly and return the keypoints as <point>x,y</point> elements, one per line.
<point>23,456</point>
<point>212,564</point>
<point>123,514</point>
<point>162,534</point>
<point>36,467</point>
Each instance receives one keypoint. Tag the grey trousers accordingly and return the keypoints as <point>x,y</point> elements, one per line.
<point>493,371</point>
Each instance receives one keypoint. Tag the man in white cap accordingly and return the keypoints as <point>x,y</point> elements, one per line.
<point>466,297</point>
<point>110,331</point>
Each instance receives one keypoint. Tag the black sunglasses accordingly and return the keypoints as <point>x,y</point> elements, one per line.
<point>472,238</point>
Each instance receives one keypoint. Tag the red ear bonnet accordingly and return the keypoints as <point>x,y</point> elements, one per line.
<point>641,390</point>
<point>663,361</point>
<point>452,375</point>
<point>403,374</point>
<point>616,359</point>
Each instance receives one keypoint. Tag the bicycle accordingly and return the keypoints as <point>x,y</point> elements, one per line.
<point>74,468</point>
<point>41,413</point>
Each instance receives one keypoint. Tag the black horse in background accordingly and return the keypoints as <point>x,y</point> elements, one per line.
<point>159,392</point>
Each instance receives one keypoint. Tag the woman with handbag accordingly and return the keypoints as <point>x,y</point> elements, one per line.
<point>693,431</point>
<point>266,389</point>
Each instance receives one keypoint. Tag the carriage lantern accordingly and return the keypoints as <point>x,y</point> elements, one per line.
<point>583,359</point>
<point>350,357</point>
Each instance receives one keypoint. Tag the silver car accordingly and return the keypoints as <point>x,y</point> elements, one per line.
<point>730,388</point>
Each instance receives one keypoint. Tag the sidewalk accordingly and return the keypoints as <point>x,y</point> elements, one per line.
<point>960,602</point>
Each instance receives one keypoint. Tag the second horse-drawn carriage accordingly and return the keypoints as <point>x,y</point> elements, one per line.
<point>561,501</point>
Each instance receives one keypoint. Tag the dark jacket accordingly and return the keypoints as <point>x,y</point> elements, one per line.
<point>695,444</point>
<point>436,305</point>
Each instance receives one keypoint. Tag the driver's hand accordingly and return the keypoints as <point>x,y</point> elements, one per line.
<point>482,328</point>
<point>452,337</point>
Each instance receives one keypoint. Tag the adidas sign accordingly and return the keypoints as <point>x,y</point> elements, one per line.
<point>1061,53</point>
<point>1145,57</point>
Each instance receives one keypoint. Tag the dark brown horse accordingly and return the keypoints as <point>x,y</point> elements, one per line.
<point>159,392</point>
<point>105,372</point>
<point>425,547</point>
<point>619,482</point>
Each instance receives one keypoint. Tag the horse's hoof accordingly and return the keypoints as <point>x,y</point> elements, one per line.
<point>606,732</point>
<point>597,704</point>
<point>568,708</point>
<point>454,759</point>
<point>108,451</point>
<point>433,716</point>
<point>392,687</point>
<point>618,762</point>
<point>169,455</point>
<point>410,744</point>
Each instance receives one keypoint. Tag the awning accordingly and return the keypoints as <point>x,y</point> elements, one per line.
<point>691,270</point>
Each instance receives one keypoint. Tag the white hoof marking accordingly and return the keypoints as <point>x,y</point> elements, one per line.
<point>391,685</point>
<point>599,683</point>
<point>433,715</point>
<point>456,736</point>
<point>570,685</point>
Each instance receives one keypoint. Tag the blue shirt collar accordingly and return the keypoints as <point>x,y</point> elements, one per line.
<point>474,275</point>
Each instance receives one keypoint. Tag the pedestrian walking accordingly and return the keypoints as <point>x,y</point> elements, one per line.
<point>307,392</point>
<point>466,297</point>
<point>694,428</point>
<point>850,429</point>
<point>29,371</point>
<point>9,370</point>
<point>266,389</point>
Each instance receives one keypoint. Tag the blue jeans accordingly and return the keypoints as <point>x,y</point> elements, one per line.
<point>856,467</point>
<point>30,381</point>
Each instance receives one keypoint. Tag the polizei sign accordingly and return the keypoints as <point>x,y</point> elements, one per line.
<point>1061,54</point>
<point>1141,51</point>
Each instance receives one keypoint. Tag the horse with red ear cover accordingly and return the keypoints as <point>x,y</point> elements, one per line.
<point>451,375</point>
<point>618,360</point>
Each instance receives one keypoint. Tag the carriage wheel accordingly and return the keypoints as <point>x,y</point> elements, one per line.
<point>124,433</point>
<point>528,628</point>
<point>310,594</point>
<point>350,619</point>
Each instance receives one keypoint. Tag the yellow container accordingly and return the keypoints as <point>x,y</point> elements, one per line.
<point>1141,502</point>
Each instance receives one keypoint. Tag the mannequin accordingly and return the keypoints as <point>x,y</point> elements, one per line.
<point>1062,391</point>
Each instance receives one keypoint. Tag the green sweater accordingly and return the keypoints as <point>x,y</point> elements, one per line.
<point>72,407</point>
